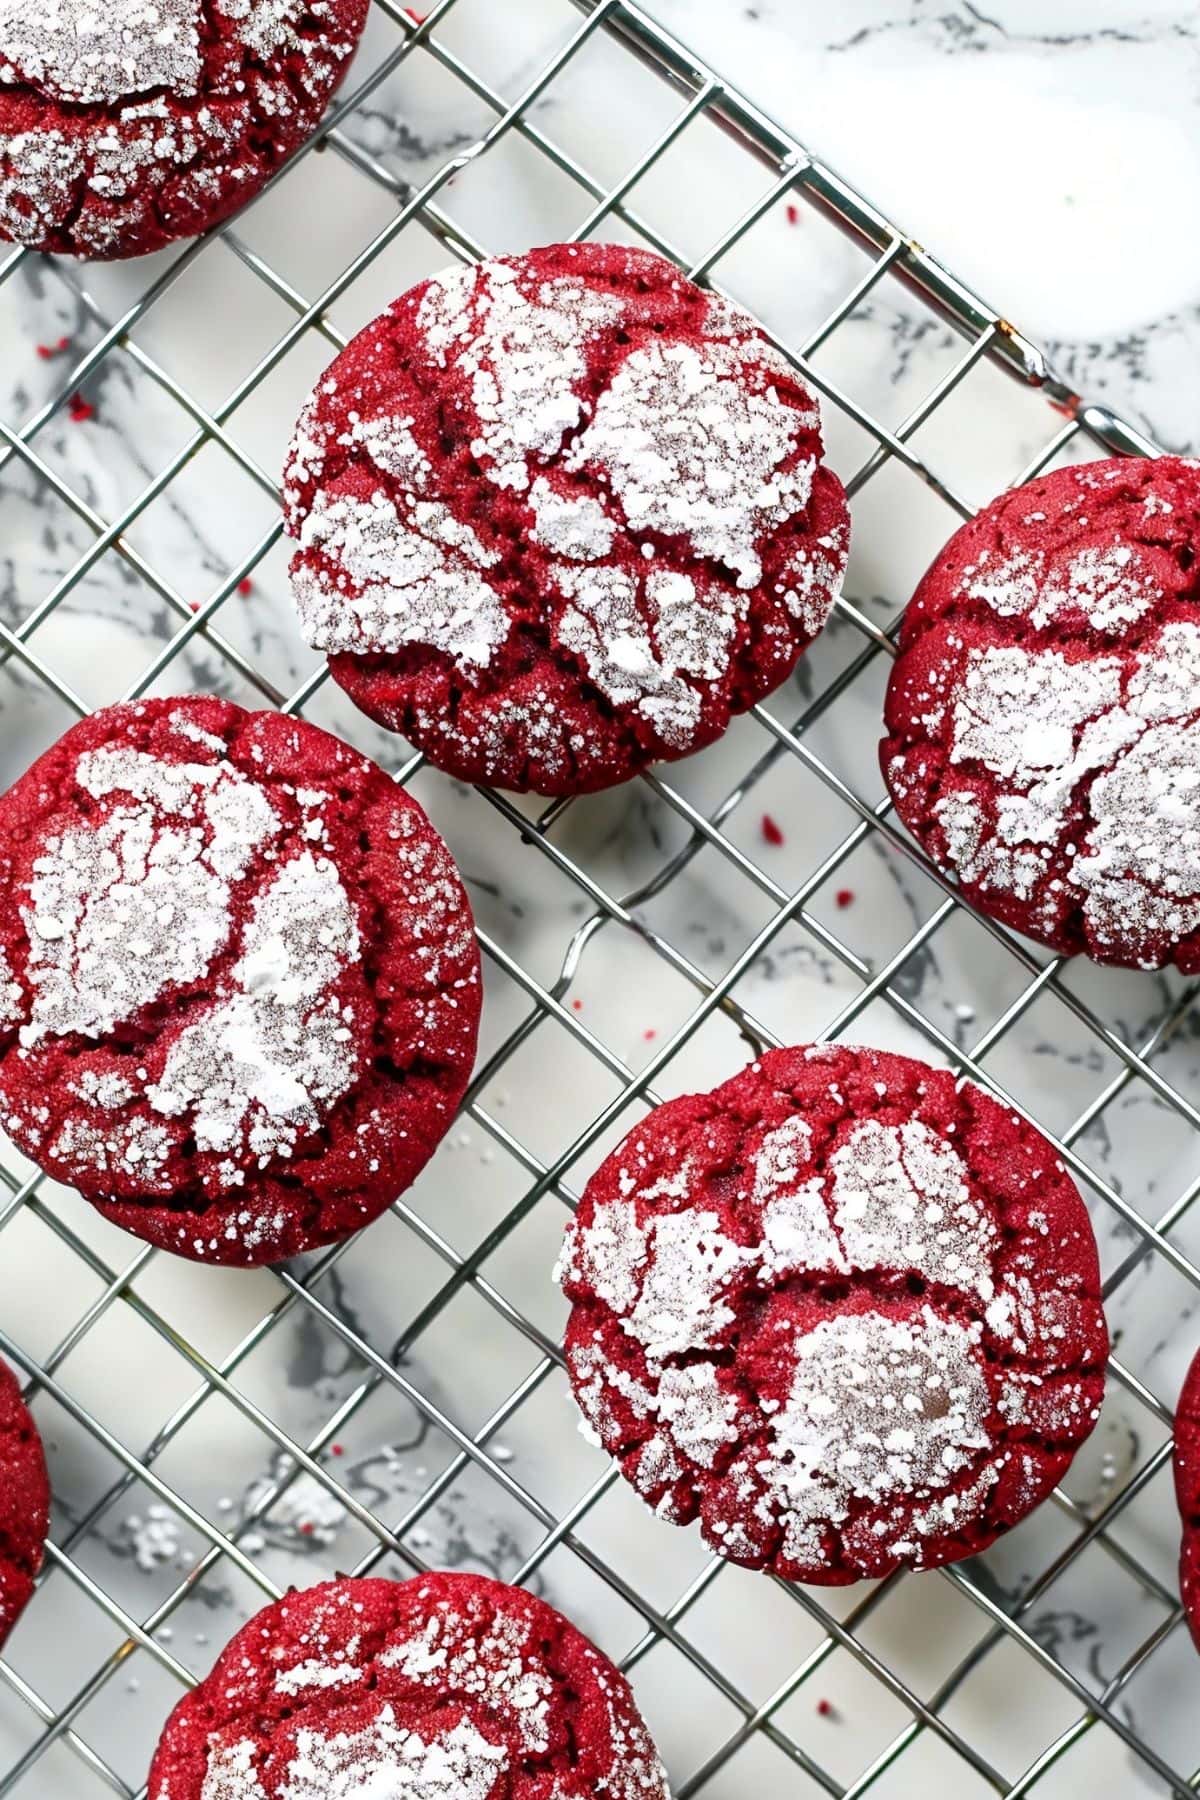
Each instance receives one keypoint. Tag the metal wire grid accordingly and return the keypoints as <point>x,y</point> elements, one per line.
<point>797,174</point>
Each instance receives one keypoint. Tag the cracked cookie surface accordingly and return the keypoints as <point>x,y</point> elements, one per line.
<point>560,515</point>
<point>1043,715</point>
<point>125,127</point>
<point>841,1309</point>
<point>445,1687</point>
<point>239,986</point>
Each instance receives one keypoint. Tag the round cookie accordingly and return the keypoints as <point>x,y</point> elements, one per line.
<point>24,1502</point>
<point>239,988</point>
<point>445,1687</point>
<point>124,127</point>
<point>1043,715</point>
<point>561,515</point>
<point>842,1309</point>
<point>1187,1493</point>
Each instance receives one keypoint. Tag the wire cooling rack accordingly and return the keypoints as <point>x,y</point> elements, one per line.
<point>980,1678</point>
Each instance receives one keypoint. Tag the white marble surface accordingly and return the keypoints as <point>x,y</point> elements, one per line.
<point>1044,152</point>
<point>1044,149</point>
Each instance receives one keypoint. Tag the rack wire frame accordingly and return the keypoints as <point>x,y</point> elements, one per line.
<point>800,175</point>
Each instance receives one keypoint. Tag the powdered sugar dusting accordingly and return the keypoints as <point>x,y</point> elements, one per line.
<point>245,967</point>
<point>798,1234</point>
<point>698,1413</point>
<point>783,1152</point>
<point>495,1666</point>
<point>692,440</point>
<point>1141,868</point>
<point>141,900</point>
<point>570,524</point>
<point>385,1759</point>
<point>389,442</point>
<point>121,910</point>
<point>682,1303</point>
<point>448,1687</point>
<point>894,1197</point>
<point>79,52</point>
<point>877,1407</point>
<point>10,993</point>
<point>1043,725</point>
<point>815,1364</point>
<point>117,166</point>
<point>230,1772</point>
<point>106,1146</point>
<point>1044,712</point>
<point>901,1199</point>
<point>238,815</point>
<point>385,581</point>
<point>1110,585</point>
<point>382,1760</point>
<point>316,1672</point>
<point>523,358</point>
<point>693,450</point>
<point>608,1254</point>
<point>604,626</point>
<point>267,1062</point>
<point>141,116</point>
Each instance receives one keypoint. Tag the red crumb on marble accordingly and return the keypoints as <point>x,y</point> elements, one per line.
<point>770,830</point>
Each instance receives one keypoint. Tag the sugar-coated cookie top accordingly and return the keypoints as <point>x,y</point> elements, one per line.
<point>1043,715</point>
<point>127,125</point>
<point>561,512</point>
<point>445,1687</point>
<point>842,1309</point>
<point>237,974</point>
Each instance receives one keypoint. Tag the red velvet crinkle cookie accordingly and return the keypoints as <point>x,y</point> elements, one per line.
<point>239,988</point>
<point>842,1309</point>
<point>24,1502</point>
<point>123,127</point>
<point>1187,1492</point>
<point>446,1687</point>
<point>561,515</point>
<point>1043,716</point>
